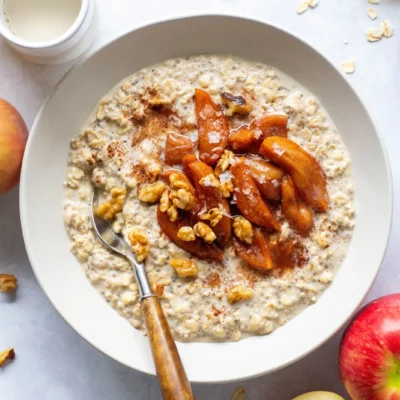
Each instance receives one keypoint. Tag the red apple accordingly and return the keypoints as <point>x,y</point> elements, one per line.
<point>369,358</point>
<point>13,135</point>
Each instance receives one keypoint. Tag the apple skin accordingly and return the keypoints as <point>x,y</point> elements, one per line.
<point>369,358</point>
<point>13,136</point>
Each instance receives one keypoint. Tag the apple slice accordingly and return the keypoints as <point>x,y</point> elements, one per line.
<point>249,137</point>
<point>303,168</point>
<point>198,247</point>
<point>212,126</point>
<point>294,209</point>
<point>256,254</point>
<point>268,177</point>
<point>208,197</point>
<point>248,197</point>
<point>177,147</point>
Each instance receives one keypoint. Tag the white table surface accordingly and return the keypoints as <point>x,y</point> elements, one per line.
<point>53,362</point>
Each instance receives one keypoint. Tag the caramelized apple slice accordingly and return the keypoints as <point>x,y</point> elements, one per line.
<point>268,177</point>
<point>294,209</point>
<point>212,126</point>
<point>208,197</point>
<point>257,254</point>
<point>177,147</point>
<point>198,247</point>
<point>303,168</point>
<point>248,197</point>
<point>250,137</point>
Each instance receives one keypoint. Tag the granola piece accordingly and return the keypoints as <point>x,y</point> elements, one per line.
<point>6,355</point>
<point>348,66</point>
<point>210,181</point>
<point>165,202</point>
<point>214,216</point>
<point>372,13</point>
<point>173,213</point>
<point>205,232</point>
<point>186,233</point>
<point>235,104</point>
<point>184,267</point>
<point>243,229</point>
<point>8,283</point>
<point>223,163</point>
<point>140,244</point>
<point>109,209</point>
<point>151,193</point>
<point>226,188</point>
<point>238,293</point>
<point>182,199</point>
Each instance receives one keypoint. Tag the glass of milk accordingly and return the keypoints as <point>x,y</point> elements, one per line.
<point>48,31</point>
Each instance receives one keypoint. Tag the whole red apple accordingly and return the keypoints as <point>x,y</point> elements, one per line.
<point>13,135</point>
<point>369,358</point>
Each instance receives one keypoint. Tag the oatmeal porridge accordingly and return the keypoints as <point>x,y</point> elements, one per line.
<point>228,179</point>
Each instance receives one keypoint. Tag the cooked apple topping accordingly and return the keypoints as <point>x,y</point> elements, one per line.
<point>214,216</point>
<point>8,283</point>
<point>186,233</point>
<point>210,181</point>
<point>243,229</point>
<point>151,193</point>
<point>140,244</point>
<point>205,232</point>
<point>109,209</point>
<point>235,104</point>
<point>184,267</point>
<point>239,292</point>
<point>6,355</point>
<point>223,163</point>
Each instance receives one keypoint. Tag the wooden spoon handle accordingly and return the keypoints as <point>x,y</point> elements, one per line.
<point>171,374</point>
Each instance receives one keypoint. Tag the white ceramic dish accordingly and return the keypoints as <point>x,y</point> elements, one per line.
<point>61,276</point>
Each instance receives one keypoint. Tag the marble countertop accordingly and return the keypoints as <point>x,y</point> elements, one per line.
<point>53,362</point>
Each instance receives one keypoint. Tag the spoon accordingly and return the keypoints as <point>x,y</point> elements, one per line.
<point>171,374</point>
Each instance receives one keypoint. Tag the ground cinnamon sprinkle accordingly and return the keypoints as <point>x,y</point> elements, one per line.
<point>213,280</point>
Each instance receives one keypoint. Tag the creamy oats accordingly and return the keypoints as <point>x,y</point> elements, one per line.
<point>122,146</point>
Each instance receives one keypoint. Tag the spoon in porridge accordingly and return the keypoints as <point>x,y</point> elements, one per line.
<point>171,374</point>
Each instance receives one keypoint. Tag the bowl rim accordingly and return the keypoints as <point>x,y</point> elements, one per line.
<point>176,17</point>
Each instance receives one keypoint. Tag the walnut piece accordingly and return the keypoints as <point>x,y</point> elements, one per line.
<point>223,162</point>
<point>165,202</point>
<point>235,104</point>
<point>186,233</point>
<point>214,216</point>
<point>151,193</point>
<point>243,229</point>
<point>153,171</point>
<point>239,292</point>
<point>6,355</point>
<point>173,213</point>
<point>140,244</point>
<point>210,180</point>
<point>8,283</point>
<point>205,232</point>
<point>184,268</point>
<point>226,188</point>
<point>177,183</point>
<point>182,199</point>
<point>108,209</point>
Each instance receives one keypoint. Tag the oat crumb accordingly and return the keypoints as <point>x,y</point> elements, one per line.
<point>348,66</point>
<point>372,13</point>
<point>313,3</point>
<point>302,7</point>
<point>374,34</point>
<point>238,394</point>
<point>374,1</point>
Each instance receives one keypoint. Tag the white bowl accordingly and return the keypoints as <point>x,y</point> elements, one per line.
<point>62,277</point>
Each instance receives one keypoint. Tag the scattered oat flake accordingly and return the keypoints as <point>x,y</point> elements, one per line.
<point>6,355</point>
<point>346,41</point>
<point>348,66</point>
<point>374,1</point>
<point>302,7</point>
<point>372,13</point>
<point>238,394</point>
<point>374,34</point>
<point>313,3</point>
<point>387,28</point>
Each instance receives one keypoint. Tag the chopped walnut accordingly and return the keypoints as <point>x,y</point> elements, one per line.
<point>226,188</point>
<point>151,193</point>
<point>223,162</point>
<point>165,202</point>
<point>210,181</point>
<point>184,268</point>
<point>239,292</point>
<point>238,394</point>
<point>177,183</point>
<point>108,209</point>
<point>157,288</point>
<point>173,213</point>
<point>7,283</point>
<point>243,229</point>
<point>140,244</point>
<point>235,104</point>
<point>153,172</point>
<point>186,233</point>
<point>182,199</point>
<point>6,355</point>
<point>205,232</point>
<point>214,216</point>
